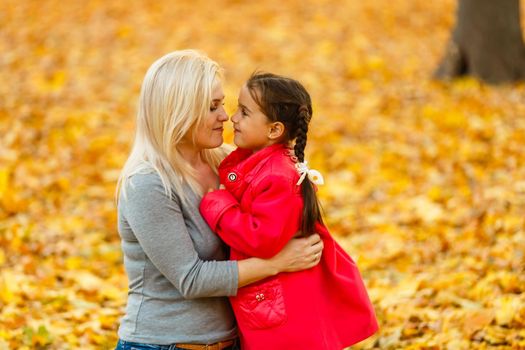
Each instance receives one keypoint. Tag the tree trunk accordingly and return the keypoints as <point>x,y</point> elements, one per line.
<point>486,43</point>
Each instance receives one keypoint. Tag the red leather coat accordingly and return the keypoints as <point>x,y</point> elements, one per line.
<point>325,307</point>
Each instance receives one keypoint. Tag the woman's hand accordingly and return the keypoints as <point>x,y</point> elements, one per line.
<point>299,254</point>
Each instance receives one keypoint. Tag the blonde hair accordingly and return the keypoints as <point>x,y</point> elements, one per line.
<point>174,99</point>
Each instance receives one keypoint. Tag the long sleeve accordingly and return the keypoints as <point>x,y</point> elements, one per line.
<point>159,226</point>
<point>263,229</point>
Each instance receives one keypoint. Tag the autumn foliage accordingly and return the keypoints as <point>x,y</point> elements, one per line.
<point>425,181</point>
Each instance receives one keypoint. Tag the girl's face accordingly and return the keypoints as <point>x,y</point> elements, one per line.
<point>209,134</point>
<point>250,125</point>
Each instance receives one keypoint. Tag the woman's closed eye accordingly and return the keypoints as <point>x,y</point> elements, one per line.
<point>215,106</point>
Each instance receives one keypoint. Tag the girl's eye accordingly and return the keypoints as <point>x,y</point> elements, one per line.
<point>243,112</point>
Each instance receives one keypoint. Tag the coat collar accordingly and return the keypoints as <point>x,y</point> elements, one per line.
<point>238,169</point>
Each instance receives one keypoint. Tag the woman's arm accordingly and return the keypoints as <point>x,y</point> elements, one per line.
<point>159,228</point>
<point>298,254</point>
<point>159,232</point>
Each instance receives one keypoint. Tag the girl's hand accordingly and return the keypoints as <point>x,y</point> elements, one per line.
<point>299,254</point>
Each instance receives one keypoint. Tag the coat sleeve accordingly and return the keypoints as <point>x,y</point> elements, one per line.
<point>270,223</point>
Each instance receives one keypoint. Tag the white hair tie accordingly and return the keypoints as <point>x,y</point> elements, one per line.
<point>313,175</point>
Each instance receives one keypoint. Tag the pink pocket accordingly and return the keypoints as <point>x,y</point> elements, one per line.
<point>261,306</point>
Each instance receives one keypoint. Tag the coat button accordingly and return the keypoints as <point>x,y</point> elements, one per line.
<point>232,177</point>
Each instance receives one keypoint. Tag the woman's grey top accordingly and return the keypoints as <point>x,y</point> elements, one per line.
<point>177,279</point>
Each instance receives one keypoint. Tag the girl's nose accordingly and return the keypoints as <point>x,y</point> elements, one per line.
<point>233,118</point>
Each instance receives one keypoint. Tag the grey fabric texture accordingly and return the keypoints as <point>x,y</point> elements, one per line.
<point>176,266</point>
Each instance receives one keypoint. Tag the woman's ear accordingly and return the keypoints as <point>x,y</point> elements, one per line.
<point>276,131</point>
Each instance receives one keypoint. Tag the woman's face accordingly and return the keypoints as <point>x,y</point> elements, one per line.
<point>209,134</point>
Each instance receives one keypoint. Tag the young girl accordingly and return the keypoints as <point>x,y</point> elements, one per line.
<point>268,195</point>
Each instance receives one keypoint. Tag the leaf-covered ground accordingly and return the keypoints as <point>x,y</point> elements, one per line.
<point>425,180</point>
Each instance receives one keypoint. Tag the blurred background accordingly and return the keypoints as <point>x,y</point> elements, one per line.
<point>425,179</point>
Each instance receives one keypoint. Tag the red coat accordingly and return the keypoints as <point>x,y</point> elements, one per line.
<point>325,307</point>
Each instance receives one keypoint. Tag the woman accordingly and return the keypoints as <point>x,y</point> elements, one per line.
<point>178,276</point>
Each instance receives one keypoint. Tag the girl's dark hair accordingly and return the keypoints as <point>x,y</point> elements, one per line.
<point>286,100</point>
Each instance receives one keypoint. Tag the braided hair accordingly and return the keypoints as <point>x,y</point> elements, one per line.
<point>286,100</point>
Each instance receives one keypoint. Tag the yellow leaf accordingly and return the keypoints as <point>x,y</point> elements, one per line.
<point>112,293</point>
<point>74,262</point>
<point>476,320</point>
<point>4,181</point>
<point>506,307</point>
<point>9,287</point>
<point>435,193</point>
<point>87,281</point>
<point>53,82</point>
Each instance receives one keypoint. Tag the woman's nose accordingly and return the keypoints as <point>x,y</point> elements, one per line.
<point>223,116</point>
